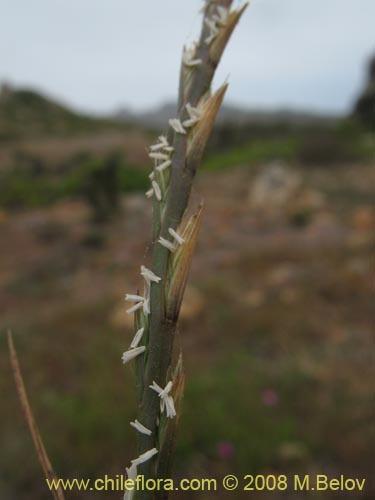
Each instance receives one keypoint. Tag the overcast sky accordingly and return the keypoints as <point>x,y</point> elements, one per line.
<point>98,55</point>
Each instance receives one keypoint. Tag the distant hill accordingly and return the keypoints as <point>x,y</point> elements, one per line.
<point>25,112</point>
<point>228,114</point>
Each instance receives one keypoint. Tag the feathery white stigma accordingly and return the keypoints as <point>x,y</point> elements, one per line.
<point>137,338</point>
<point>167,244</point>
<point>159,156</point>
<point>132,353</point>
<point>176,124</point>
<point>149,193</point>
<point>141,428</point>
<point>195,115</point>
<point>188,57</point>
<point>169,149</point>
<point>149,276</point>
<point>163,166</point>
<point>157,190</point>
<point>222,15</point>
<point>166,401</point>
<point>160,145</point>
<point>152,176</point>
<point>176,236</point>
<point>144,457</point>
<point>214,31</point>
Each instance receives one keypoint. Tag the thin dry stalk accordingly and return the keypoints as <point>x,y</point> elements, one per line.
<point>38,443</point>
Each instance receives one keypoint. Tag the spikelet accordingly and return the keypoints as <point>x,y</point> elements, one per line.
<point>201,132</point>
<point>168,427</point>
<point>219,43</point>
<point>180,265</point>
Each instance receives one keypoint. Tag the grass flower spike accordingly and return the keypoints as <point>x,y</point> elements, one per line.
<point>176,221</point>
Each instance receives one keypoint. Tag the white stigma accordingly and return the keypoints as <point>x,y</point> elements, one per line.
<point>166,401</point>
<point>141,428</point>
<point>160,145</point>
<point>149,193</point>
<point>189,57</point>
<point>176,124</point>
<point>194,114</point>
<point>134,308</point>
<point>214,31</point>
<point>163,166</point>
<point>156,190</point>
<point>132,353</point>
<point>167,244</point>
<point>135,298</point>
<point>176,236</point>
<point>149,276</point>
<point>222,15</point>
<point>137,338</point>
<point>145,457</point>
<point>159,156</point>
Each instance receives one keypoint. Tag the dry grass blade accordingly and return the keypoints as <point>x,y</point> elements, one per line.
<point>38,443</point>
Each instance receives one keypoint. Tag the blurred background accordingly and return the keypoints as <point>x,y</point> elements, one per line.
<point>277,325</point>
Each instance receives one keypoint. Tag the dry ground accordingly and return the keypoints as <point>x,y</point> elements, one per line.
<point>277,332</point>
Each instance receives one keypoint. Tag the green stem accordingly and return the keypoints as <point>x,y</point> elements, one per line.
<point>162,332</point>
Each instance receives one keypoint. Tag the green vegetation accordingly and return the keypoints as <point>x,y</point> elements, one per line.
<point>256,151</point>
<point>322,145</point>
<point>22,188</point>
